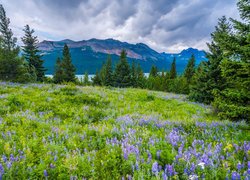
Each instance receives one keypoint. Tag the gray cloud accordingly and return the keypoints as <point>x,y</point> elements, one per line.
<point>165,25</point>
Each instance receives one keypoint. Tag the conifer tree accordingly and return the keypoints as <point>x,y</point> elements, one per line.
<point>58,75</point>
<point>141,80</point>
<point>134,77</point>
<point>67,66</point>
<point>173,72</point>
<point>86,79</point>
<point>153,71</point>
<point>122,72</point>
<point>97,79</point>
<point>31,53</point>
<point>108,72</point>
<point>190,69</point>
<point>12,67</point>
<point>208,77</point>
<point>233,101</point>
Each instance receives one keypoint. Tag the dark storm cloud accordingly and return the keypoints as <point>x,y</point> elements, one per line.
<point>166,25</point>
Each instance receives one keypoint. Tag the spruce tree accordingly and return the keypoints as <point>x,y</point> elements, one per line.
<point>97,79</point>
<point>190,69</point>
<point>122,72</point>
<point>141,80</point>
<point>67,66</point>
<point>108,72</point>
<point>58,75</point>
<point>134,77</point>
<point>86,79</point>
<point>153,71</point>
<point>173,72</point>
<point>12,67</point>
<point>233,101</point>
<point>31,53</point>
<point>208,77</point>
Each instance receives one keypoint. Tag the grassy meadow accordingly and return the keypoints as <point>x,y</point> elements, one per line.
<point>71,132</point>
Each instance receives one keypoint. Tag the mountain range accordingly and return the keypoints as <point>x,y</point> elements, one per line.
<point>89,55</point>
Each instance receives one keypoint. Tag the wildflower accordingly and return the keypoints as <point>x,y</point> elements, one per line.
<point>45,173</point>
<point>155,168</point>
<point>239,166</point>
<point>193,177</point>
<point>202,165</point>
<point>235,176</point>
<point>1,169</point>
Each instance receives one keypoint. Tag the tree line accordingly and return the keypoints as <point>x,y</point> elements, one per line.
<point>222,81</point>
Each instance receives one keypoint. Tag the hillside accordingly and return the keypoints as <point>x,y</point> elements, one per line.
<point>89,55</point>
<point>63,132</point>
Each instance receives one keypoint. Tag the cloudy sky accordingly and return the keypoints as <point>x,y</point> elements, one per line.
<point>164,25</point>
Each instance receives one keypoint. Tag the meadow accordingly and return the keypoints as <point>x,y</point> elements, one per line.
<point>70,132</point>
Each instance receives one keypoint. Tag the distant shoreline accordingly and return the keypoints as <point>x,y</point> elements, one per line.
<point>81,76</point>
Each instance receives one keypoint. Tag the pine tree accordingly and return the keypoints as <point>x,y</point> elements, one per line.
<point>31,53</point>
<point>108,72</point>
<point>122,72</point>
<point>67,66</point>
<point>58,75</point>
<point>153,71</point>
<point>233,102</point>
<point>190,69</point>
<point>12,67</point>
<point>208,77</point>
<point>97,79</point>
<point>141,80</point>
<point>133,75</point>
<point>173,73</point>
<point>86,79</point>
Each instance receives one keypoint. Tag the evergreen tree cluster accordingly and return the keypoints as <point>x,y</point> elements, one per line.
<point>28,67</point>
<point>122,76</point>
<point>224,80</point>
<point>64,70</point>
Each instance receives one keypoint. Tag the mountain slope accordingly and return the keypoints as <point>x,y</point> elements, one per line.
<point>89,55</point>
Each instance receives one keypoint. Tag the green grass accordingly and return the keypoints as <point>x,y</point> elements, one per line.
<point>63,131</point>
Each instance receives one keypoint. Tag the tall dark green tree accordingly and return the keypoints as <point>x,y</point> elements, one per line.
<point>141,80</point>
<point>58,75</point>
<point>108,72</point>
<point>173,73</point>
<point>86,79</point>
<point>190,69</point>
<point>134,77</point>
<point>67,66</point>
<point>12,67</point>
<point>96,80</point>
<point>31,53</point>
<point>122,72</point>
<point>208,77</point>
<point>153,71</point>
<point>233,102</point>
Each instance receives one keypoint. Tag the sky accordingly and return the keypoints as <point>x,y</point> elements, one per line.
<point>164,25</point>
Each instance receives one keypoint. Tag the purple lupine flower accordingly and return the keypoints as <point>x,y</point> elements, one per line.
<point>45,173</point>
<point>170,170</point>
<point>239,166</point>
<point>9,164</point>
<point>158,154</point>
<point>248,164</point>
<point>235,176</point>
<point>52,165</point>
<point>1,169</point>
<point>129,177</point>
<point>164,176</point>
<point>155,168</point>
<point>4,158</point>
<point>192,168</point>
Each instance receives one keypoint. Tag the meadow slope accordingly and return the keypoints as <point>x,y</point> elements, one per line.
<point>71,132</point>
